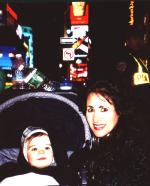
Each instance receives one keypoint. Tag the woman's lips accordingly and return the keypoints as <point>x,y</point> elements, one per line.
<point>99,126</point>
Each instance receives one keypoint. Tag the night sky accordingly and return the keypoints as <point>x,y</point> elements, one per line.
<point>108,27</point>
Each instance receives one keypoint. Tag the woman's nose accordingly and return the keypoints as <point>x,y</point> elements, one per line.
<point>96,117</point>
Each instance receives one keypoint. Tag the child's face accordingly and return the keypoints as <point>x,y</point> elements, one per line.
<point>39,152</point>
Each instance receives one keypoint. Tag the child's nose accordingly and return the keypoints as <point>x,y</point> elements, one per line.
<point>41,151</point>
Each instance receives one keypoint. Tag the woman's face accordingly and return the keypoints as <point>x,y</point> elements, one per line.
<point>39,152</point>
<point>101,115</point>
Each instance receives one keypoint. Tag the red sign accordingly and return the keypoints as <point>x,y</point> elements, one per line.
<point>79,20</point>
<point>78,72</point>
<point>11,12</point>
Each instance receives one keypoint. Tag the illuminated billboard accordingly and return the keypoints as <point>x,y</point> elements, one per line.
<point>28,42</point>
<point>79,13</point>
<point>6,55</point>
<point>78,72</point>
<point>8,16</point>
<point>12,17</point>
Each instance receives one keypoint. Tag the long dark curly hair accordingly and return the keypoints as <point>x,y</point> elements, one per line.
<point>113,93</point>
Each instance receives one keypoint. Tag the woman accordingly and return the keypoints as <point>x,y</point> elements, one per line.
<point>115,156</point>
<point>36,162</point>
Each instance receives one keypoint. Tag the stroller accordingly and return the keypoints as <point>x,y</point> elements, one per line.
<point>58,112</point>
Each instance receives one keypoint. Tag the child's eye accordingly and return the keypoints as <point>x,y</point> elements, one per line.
<point>47,148</point>
<point>34,149</point>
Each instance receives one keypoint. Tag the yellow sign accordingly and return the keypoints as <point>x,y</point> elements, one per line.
<point>131,10</point>
<point>140,78</point>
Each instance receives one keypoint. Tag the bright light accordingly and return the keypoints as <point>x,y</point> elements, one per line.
<point>18,55</point>
<point>1,12</point>
<point>1,55</point>
<point>78,61</point>
<point>68,31</point>
<point>21,67</point>
<point>60,65</point>
<point>65,87</point>
<point>9,75</point>
<point>11,55</point>
<point>19,31</point>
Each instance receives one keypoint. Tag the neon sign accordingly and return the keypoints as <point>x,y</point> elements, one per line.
<point>131,13</point>
<point>11,12</point>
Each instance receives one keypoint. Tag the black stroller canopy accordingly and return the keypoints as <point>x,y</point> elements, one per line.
<point>56,112</point>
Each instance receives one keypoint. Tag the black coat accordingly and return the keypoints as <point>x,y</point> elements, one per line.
<point>117,160</point>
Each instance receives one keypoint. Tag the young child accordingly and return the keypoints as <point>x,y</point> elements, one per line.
<point>37,148</point>
<point>36,163</point>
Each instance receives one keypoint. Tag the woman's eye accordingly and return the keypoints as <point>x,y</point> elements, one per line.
<point>103,109</point>
<point>90,109</point>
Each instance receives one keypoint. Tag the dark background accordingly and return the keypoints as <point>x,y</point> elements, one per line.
<point>108,24</point>
<point>47,22</point>
<point>108,28</point>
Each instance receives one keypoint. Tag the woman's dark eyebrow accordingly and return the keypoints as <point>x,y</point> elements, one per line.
<point>90,106</point>
<point>101,106</point>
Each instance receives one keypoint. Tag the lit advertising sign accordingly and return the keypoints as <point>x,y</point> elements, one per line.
<point>11,16</point>
<point>78,72</point>
<point>131,14</point>
<point>79,31</point>
<point>5,59</point>
<point>11,12</point>
<point>79,13</point>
